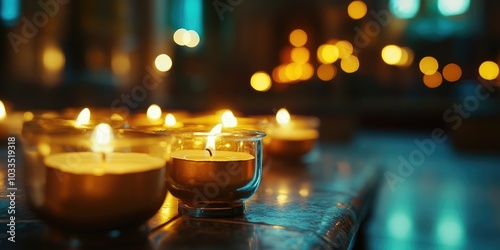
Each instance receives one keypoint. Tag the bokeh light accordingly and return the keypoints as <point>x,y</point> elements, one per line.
<point>391,54</point>
<point>178,36</point>
<point>194,39</point>
<point>327,53</point>
<point>53,59</point>
<point>170,120</point>
<point>163,62</point>
<point>307,71</point>
<point>434,80</point>
<point>298,38</point>
<point>293,71</point>
<point>453,7</point>
<point>399,225</point>
<point>406,57</point>
<point>300,55</point>
<point>349,64</point>
<point>452,72</point>
<point>488,70</point>
<point>404,9</point>
<point>153,112</point>
<point>260,81</point>
<point>345,48</point>
<point>357,9</point>
<point>120,63</point>
<point>428,65</point>
<point>326,72</point>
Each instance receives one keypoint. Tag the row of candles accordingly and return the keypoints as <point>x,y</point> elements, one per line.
<point>95,160</point>
<point>287,135</point>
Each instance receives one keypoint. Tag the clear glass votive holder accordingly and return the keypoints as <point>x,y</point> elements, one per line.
<point>212,174</point>
<point>93,179</point>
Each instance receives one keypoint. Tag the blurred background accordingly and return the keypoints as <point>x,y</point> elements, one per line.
<point>391,65</point>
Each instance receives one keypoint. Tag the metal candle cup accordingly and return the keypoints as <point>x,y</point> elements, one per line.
<point>214,182</point>
<point>74,188</point>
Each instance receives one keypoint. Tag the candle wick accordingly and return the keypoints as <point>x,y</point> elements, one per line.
<point>209,151</point>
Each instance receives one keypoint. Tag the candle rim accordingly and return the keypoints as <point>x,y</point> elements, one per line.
<point>226,133</point>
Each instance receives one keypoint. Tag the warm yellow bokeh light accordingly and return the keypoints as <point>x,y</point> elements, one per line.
<point>163,62</point>
<point>428,65</point>
<point>179,36</point>
<point>279,74</point>
<point>434,80</point>
<point>326,72</point>
<point>293,71</point>
<point>27,116</point>
<point>120,64</point>
<point>488,70</point>
<point>349,64</point>
<point>300,55</point>
<point>298,38</point>
<point>53,59</point>
<point>260,81</point>
<point>327,53</point>
<point>391,54</point>
<point>282,116</point>
<point>170,120</point>
<point>228,119</point>
<point>345,48</point>
<point>153,112</point>
<point>194,39</point>
<point>3,113</point>
<point>357,9</point>
<point>406,57</point>
<point>307,71</point>
<point>452,72</point>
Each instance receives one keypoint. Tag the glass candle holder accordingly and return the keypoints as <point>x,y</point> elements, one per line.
<point>93,179</point>
<point>293,140</point>
<point>213,173</point>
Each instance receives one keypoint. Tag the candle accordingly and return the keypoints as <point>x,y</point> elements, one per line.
<point>86,118</point>
<point>212,182</point>
<point>97,193</point>
<point>154,116</point>
<point>10,124</point>
<point>104,183</point>
<point>292,138</point>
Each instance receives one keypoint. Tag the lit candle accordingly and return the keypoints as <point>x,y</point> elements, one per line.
<point>212,182</point>
<point>101,189</point>
<point>83,118</point>
<point>171,122</point>
<point>292,138</point>
<point>154,116</point>
<point>10,124</point>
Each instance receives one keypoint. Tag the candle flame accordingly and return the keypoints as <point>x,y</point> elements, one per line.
<point>154,112</point>
<point>211,137</point>
<point>83,118</point>
<point>170,120</point>
<point>228,119</point>
<point>283,117</point>
<point>101,138</point>
<point>116,117</point>
<point>3,113</point>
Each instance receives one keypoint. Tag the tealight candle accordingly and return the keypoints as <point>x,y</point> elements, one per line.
<point>292,137</point>
<point>10,124</point>
<point>213,179</point>
<point>154,116</point>
<point>103,183</point>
